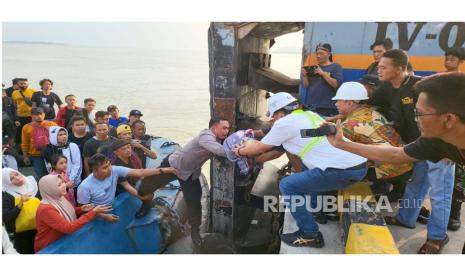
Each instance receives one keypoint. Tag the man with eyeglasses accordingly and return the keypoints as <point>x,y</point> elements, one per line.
<point>396,98</point>
<point>441,121</point>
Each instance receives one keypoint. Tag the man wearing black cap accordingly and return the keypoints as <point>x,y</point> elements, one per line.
<point>34,138</point>
<point>125,157</point>
<point>134,115</point>
<point>320,82</point>
<point>123,153</point>
<point>370,82</point>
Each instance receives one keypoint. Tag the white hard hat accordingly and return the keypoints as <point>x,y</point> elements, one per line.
<point>278,101</point>
<point>351,90</point>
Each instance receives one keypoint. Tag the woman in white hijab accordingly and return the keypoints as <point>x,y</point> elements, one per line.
<point>56,216</point>
<point>19,206</point>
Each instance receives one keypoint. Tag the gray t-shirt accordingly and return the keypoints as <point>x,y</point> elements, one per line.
<point>189,160</point>
<point>99,192</point>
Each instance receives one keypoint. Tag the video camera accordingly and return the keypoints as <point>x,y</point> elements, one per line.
<point>311,71</point>
<point>317,132</point>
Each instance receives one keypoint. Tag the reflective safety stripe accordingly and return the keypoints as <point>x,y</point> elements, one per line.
<point>309,146</point>
<point>315,120</point>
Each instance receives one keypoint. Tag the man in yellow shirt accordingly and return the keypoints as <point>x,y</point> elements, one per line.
<point>22,99</point>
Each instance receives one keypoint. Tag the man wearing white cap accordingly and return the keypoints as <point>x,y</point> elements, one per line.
<point>327,168</point>
<point>363,124</point>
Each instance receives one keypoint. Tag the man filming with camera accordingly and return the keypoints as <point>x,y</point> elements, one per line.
<point>320,82</point>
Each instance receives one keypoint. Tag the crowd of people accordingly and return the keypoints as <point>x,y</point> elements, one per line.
<point>83,158</point>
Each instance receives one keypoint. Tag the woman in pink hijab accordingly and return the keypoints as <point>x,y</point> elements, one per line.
<point>56,216</point>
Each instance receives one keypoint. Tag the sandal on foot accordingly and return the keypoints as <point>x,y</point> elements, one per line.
<point>391,220</point>
<point>433,246</point>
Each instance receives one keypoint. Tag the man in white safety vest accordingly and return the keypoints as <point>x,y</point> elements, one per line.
<point>326,167</point>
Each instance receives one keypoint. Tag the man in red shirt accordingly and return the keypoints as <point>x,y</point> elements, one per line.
<point>67,112</point>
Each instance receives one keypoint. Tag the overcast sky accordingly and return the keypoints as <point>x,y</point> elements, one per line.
<point>112,34</point>
<point>188,36</point>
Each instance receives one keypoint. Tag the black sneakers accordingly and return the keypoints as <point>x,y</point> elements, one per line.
<point>298,239</point>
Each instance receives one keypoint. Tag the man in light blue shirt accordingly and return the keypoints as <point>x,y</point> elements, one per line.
<point>100,186</point>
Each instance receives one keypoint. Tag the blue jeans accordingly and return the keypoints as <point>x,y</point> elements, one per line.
<point>38,164</point>
<point>311,182</point>
<point>438,178</point>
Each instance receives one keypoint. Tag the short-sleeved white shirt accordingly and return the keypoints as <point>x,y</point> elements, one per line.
<point>286,132</point>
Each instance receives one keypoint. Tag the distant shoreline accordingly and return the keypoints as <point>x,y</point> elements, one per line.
<point>34,42</point>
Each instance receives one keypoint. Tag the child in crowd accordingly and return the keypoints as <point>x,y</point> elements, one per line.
<point>59,165</point>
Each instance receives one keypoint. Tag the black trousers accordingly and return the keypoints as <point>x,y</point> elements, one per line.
<point>24,241</point>
<point>192,192</point>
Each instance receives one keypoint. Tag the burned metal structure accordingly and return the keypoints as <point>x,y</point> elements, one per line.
<point>240,77</point>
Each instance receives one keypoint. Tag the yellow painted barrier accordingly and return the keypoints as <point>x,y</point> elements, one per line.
<point>358,189</point>
<point>364,232</point>
<point>370,239</point>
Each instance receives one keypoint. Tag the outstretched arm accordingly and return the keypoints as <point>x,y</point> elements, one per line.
<point>252,148</point>
<point>380,153</point>
<point>147,172</point>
